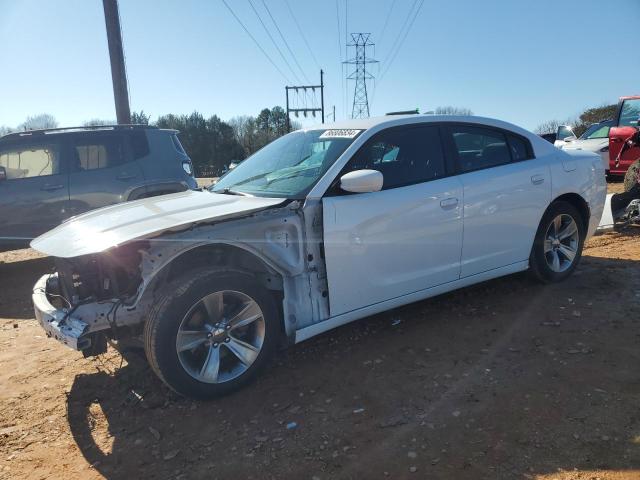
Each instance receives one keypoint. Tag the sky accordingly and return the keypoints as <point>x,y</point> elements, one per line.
<point>520,61</point>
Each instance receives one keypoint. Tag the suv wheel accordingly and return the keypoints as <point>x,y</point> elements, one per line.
<point>211,332</point>
<point>557,247</point>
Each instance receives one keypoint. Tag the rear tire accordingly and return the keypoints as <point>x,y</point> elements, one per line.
<point>557,247</point>
<point>211,332</point>
<point>631,176</point>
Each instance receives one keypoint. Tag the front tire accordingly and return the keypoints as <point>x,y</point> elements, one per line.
<point>211,332</point>
<point>557,247</point>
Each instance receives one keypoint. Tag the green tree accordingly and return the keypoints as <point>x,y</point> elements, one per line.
<point>140,118</point>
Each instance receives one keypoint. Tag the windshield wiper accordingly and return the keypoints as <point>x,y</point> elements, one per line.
<point>228,191</point>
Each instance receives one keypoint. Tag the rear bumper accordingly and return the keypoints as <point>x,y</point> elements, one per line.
<point>57,323</point>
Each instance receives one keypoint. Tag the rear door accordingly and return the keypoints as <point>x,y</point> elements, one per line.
<point>628,116</point>
<point>400,240</point>
<point>103,170</point>
<point>505,192</point>
<point>34,197</point>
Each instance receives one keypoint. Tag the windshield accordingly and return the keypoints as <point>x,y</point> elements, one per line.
<point>289,166</point>
<point>630,113</point>
<point>597,130</point>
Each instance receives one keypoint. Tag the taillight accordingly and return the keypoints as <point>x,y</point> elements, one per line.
<point>186,166</point>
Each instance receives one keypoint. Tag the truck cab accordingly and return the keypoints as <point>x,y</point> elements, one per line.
<point>624,128</point>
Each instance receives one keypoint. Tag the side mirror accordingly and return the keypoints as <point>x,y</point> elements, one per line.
<point>362,181</point>
<point>3,174</point>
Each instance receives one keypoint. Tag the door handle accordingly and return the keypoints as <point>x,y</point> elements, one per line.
<point>537,179</point>
<point>449,203</point>
<point>125,176</point>
<point>47,187</point>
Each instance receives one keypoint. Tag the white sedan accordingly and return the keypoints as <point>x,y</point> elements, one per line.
<point>322,227</point>
<point>595,139</point>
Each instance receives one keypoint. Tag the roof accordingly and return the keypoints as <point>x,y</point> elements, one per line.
<point>391,120</point>
<point>48,131</point>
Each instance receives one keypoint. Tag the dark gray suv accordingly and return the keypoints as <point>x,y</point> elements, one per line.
<point>47,176</point>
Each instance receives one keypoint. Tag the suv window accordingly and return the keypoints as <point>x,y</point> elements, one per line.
<point>630,113</point>
<point>403,155</point>
<point>30,160</point>
<point>99,151</point>
<point>477,147</point>
<point>177,145</point>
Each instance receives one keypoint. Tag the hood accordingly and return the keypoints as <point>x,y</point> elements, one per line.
<point>108,227</point>
<point>591,145</point>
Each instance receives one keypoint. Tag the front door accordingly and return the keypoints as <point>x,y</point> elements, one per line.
<point>505,190</point>
<point>34,196</point>
<point>403,239</point>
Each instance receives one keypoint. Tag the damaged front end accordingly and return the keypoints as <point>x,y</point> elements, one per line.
<point>78,304</point>
<point>107,295</point>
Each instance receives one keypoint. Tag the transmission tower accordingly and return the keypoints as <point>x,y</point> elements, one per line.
<point>360,100</point>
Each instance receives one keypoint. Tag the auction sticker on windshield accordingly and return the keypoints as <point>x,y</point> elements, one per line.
<point>340,133</point>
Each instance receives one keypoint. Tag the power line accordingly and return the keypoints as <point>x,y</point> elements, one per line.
<point>284,40</point>
<point>393,57</point>
<point>386,22</point>
<point>301,33</point>
<point>255,41</point>
<point>295,76</point>
<point>406,33</point>
<point>400,32</point>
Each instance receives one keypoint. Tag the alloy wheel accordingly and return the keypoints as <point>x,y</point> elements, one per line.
<point>561,243</point>
<point>220,336</point>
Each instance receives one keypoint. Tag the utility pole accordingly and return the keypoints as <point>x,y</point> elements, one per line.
<point>360,41</point>
<point>305,110</point>
<point>116,56</point>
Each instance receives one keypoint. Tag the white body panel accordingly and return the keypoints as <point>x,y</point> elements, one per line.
<point>386,244</point>
<point>108,227</point>
<point>502,209</point>
<point>593,145</point>
<point>580,172</point>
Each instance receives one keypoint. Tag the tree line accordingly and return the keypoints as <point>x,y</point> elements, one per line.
<point>581,122</point>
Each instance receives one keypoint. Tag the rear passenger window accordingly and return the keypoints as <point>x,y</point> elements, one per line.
<point>479,148</point>
<point>26,161</point>
<point>520,148</point>
<point>404,156</point>
<point>139,144</point>
<point>99,151</point>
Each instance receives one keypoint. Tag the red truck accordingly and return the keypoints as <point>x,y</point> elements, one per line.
<point>624,129</point>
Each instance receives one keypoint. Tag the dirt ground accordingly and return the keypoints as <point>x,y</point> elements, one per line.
<point>508,379</point>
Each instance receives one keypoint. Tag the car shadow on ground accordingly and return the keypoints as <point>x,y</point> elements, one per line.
<point>501,380</point>
<point>18,280</point>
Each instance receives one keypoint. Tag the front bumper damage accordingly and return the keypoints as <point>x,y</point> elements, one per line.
<point>58,323</point>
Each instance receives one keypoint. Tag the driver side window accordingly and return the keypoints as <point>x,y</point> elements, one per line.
<point>404,155</point>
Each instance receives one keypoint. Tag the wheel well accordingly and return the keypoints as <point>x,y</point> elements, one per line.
<point>221,255</point>
<point>580,204</point>
<point>225,255</point>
